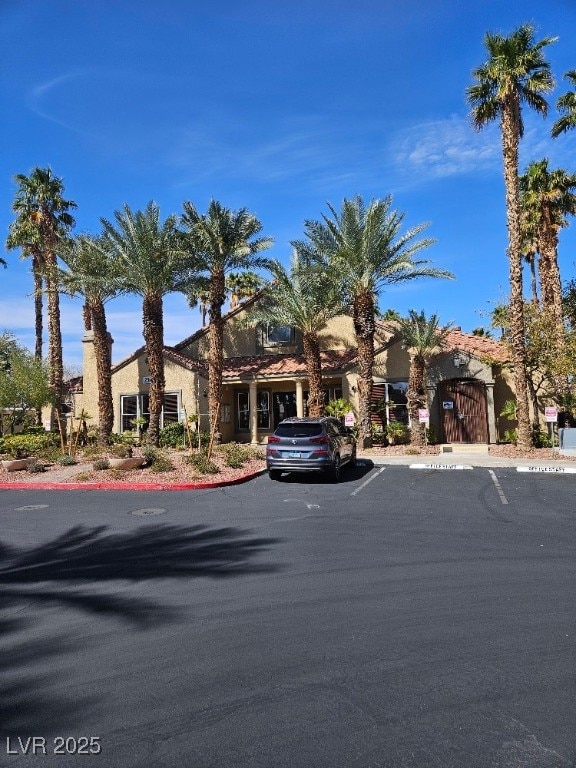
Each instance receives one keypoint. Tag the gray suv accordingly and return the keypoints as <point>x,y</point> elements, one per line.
<point>310,445</point>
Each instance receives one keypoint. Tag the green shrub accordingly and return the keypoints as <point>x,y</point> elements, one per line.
<point>235,454</point>
<point>541,439</point>
<point>431,436</point>
<point>33,430</point>
<point>22,446</point>
<point>172,435</point>
<point>397,433</point>
<point>101,464</point>
<point>156,460</point>
<point>120,450</point>
<point>35,466</point>
<point>510,436</point>
<point>66,460</point>
<point>202,463</point>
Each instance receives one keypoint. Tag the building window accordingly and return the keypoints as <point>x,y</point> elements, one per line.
<point>389,403</point>
<point>277,335</point>
<point>263,400</point>
<point>138,407</point>
<point>243,412</point>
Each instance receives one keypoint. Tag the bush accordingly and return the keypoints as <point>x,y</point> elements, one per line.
<point>120,450</point>
<point>236,454</point>
<point>397,433</point>
<point>66,461</point>
<point>541,439</point>
<point>156,460</point>
<point>172,435</point>
<point>101,464</point>
<point>22,446</point>
<point>35,466</point>
<point>510,436</point>
<point>202,463</point>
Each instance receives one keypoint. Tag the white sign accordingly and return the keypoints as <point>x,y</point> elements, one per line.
<point>423,415</point>
<point>440,466</point>
<point>448,405</point>
<point>47,425</point>
<point>349,419</point>
<point>146,379</point>
<point>554,470</point>
<point>551,413</point>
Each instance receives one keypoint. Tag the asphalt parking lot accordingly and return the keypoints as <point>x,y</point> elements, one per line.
<point>404,617</point>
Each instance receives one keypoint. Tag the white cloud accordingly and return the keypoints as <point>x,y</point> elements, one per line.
<point>442,148</point>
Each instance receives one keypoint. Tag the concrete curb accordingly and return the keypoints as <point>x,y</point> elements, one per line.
<point>129,486</point>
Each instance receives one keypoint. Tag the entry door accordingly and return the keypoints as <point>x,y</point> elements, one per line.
<point>284,406</point>
<point>464,415</point>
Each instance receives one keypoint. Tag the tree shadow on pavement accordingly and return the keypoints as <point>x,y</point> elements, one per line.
<point>80,570</point>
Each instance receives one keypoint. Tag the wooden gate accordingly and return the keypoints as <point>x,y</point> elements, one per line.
<point>464,413</point>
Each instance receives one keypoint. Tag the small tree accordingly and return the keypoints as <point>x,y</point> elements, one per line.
<point>24,387</point>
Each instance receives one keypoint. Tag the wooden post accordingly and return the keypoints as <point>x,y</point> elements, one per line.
<point>187,427</point>
<point>213,433</point>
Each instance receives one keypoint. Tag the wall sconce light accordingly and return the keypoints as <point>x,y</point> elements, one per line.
<point>458,360</point>
<point>353,389</point>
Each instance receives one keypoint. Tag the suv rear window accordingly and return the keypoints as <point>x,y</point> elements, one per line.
<point>298,430</point>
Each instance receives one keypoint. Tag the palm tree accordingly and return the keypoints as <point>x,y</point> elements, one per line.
<point>219,242</point>
<point>423,337</point>
<point>42,224</point>
<point>547,197</point>
<point>149,256</point>
<point>566,105</point>
<point>364,250</point>
<point>93,273</point>
<point>514,73</point>
<point>243,285</point>
<point>22,234</point>
<point>303,298</point>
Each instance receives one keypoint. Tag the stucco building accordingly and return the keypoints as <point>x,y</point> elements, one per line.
<point>265,380</point>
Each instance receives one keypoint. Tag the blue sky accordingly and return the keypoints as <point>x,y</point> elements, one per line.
<point>274,106</point>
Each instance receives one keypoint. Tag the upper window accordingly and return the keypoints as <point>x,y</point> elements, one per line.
<point>278,335</point>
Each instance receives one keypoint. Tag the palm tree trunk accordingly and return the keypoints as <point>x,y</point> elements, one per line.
<point>103,372</point>
<point>38,319</point>
<point>314,371</point>
<point>54,333</point>
<point>38,308</point>
<point>416,399</point>
<point>365,328</point>
<point>510,137</point>
<point>153,321</point>
<point>216,345</point>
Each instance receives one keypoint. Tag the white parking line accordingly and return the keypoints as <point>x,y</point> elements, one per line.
<point>503,498</point>
<point>369,480</point>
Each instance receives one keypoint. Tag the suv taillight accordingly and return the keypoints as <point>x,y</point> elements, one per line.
<point>273,439</point>
<point>323,440</point>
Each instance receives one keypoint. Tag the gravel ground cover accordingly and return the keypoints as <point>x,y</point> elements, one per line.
<point>181,471</point>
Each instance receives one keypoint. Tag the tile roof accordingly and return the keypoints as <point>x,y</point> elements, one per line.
<point>478,346</point>
<point>285,365</point>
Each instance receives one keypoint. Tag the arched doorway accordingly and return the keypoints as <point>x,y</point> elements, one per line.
<point>464,412</point>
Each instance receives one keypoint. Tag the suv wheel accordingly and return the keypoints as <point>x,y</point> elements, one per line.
<point>336,469</point>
